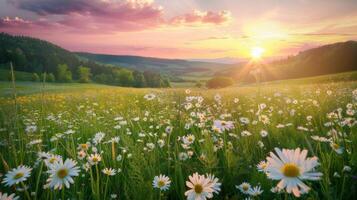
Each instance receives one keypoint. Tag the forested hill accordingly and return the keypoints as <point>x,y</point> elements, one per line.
<point>170,67</point>
<point>38,56</point>
<point>327,59</point>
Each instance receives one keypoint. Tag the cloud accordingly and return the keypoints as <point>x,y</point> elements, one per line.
<point>96,15</point>
<point>200,17</point>
<point>108,16</point>
<point>13,22</point>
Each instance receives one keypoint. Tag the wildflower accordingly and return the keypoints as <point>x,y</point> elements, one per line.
<point>109,171</point>
<point>244,187</point>
<point>81,155</point>
<point>161,143</point>
<point>17,175</point>
<point>150,96</point>
<point>43,155</point>
<point>94,159</point>
<point>245,133</point>
<point>189,139</point>
<point>255,191</point>
<point>98,137</point>
<point>84,147</point>
<point>264,133</point>
<point>346,168</point>
<point>200,188</point>
<point>215,184</point>
<point>31,129</point>
<point>222,125</point>
<point>262,166</point>
<point>336,175</point>
<point>235,100</point>
<point>5,196</point>
<point>336,147</point>
<point>52,159</point>
<point>62,173</point>
<point>161,182</point>
<point>291,167</point>
<point>244,120</point>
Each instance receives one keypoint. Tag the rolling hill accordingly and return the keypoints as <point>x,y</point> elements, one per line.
<point>37,56</point>
<point>170,67</point>
<point>327,59</point>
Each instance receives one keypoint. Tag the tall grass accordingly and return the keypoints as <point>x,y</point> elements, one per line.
<point>62,121</point>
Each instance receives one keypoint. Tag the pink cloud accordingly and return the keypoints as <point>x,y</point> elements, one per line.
<point>104,16</point>
<point>13,22</point>
<point>199,17</point>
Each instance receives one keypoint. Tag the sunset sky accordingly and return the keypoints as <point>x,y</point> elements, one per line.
<point>183,28</point>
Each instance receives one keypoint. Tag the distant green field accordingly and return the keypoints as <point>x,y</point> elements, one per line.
<point>26,88</point>
<point>5,75</point>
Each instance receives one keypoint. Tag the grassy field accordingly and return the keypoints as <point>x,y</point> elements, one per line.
<point>114,141</point>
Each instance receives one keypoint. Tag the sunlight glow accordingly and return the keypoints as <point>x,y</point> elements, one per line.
<point>257,52</point>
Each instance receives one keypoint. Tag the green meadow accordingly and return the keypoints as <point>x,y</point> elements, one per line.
<point>119,139</point>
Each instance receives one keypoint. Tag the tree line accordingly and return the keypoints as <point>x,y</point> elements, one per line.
<point>39,57</point>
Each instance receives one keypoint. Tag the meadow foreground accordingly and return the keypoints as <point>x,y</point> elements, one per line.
<point>281,141</point>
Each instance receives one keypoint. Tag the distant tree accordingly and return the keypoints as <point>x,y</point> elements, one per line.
<point>84,74</point>
<point>63,73</point>
<point>198,84</point>
<point>35,77</point>
<point>152,79</point>
<point>139,79</point>
<point>123,77</point>
<point>165,83</point>
<point>219,82</point>
<point>50,78</point>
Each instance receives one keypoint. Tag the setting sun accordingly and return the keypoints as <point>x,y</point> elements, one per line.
<point>257,52</point>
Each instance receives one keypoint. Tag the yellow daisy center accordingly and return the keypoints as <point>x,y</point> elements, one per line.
<point>95,159</point>
<point>161,183</point>
<point>198,189</point>
<point>335,146</point>
<point>84,146</point>
<point>62,173</point>
<point>245,187</point>
<point>290,170</point>
<point>18,175</point>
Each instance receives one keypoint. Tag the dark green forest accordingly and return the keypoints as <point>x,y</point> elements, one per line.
<point>40,57</point>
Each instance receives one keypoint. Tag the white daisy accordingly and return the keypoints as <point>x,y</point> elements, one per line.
<point>244,187</point>
<point>161,182</point>
<point>221,125</point>
<point>200,188</point>
<point>5,196</point>
<point>290,167</point>
<point>17,175</point>
<point>336,147</point>
<point>62,173</point>
<point>255,191</point>
<point>94,159</point>
<point>51,159</point>
<point>262,166</point>
<point>109,171</point>
<point>189,139</point>
<point>150,96</point>
<point>215,184</point>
